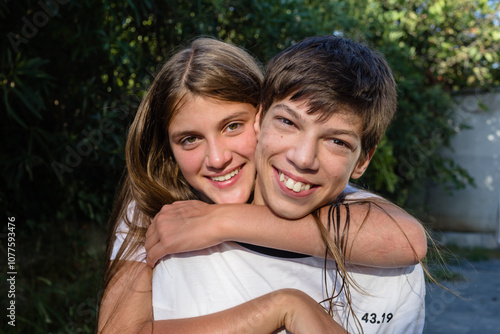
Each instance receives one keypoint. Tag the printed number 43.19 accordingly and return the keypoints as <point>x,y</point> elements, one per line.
<point>374,319</point>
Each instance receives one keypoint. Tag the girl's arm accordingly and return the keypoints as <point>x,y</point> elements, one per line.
<point>126,305</point>
<point>389,237</point>
<point>127,308</point>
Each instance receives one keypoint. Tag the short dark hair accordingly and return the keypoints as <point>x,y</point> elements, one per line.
<point>334,74</point>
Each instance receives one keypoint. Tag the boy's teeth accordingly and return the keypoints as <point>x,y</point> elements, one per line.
<point>292,185</point>
<point>297,186</point>
<point>227,176</point>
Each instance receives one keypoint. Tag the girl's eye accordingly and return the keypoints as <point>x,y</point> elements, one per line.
<point>233,126</point>
<point>188,140</point>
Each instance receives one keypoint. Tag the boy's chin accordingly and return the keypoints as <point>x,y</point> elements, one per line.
<point>294,211</point>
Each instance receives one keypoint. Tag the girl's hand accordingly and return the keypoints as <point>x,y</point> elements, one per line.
<point>181,227</point>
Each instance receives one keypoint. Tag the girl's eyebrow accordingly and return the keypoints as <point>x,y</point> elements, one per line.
<point>234,115</point>
<point>180,134</point>
<point>225,120</point>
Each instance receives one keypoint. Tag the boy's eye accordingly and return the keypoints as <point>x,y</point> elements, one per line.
<point>340,143</point>
<point>286,121</point>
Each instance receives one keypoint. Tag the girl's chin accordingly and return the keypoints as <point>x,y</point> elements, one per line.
<point>231,198</point>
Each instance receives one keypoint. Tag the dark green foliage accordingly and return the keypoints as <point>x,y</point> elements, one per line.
<point>71,77</point>
<point>434,49</point>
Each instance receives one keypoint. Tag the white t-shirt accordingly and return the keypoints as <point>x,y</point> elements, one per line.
<point>214,279</point>
<point>121,233</point>
<point>220,277</point>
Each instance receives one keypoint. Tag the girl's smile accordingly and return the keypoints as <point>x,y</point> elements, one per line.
<point>214,144</point>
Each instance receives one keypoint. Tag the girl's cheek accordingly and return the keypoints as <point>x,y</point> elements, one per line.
<point>189,161</point>
<point>245,145</point>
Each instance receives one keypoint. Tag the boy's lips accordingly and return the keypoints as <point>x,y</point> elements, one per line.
<point>296,186</point>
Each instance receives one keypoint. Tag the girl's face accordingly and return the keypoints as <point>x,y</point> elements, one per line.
<point>214,145</point>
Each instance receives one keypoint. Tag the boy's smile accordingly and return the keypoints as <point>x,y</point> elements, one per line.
<point>303,162</point>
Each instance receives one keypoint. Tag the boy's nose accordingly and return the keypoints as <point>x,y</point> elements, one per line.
<point>304,154</point>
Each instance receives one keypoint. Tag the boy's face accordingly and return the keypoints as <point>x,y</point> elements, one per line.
<point>303,163</point>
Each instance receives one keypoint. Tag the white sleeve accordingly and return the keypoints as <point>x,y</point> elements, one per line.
<point>354,193</point>
<point>121,233</point>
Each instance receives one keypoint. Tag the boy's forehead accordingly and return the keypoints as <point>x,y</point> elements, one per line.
<point>304,109</point>
<point>341,121</point>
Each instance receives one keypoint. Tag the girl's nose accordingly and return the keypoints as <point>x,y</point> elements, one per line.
<point>218,156</point>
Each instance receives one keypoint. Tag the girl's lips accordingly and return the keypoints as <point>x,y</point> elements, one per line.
<point>227,175</point>
<point>228,179</point>
<point>293,186</point>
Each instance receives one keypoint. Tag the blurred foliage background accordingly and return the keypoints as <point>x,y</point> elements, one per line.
<point>72,74</point>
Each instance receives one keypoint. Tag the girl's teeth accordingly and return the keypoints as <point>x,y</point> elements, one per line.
<point>227,176</point>
<point>292,185</point>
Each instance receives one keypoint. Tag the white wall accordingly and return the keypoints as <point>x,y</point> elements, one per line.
<point>477,150</point>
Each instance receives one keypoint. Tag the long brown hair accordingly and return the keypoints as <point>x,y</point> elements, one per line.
<point>206,67</point>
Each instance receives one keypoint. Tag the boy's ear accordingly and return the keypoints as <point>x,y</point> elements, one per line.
<point>256,124</point>
<point>362,165</point>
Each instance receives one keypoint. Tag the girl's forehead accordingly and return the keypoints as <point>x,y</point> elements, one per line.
<point>200,111</point>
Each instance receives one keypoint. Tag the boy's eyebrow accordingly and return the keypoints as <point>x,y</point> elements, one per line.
<point>289,110</point>
<point>331,132</point>
<point>346,132</point>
